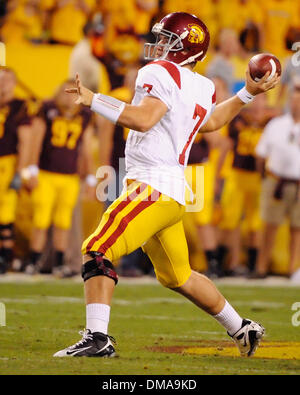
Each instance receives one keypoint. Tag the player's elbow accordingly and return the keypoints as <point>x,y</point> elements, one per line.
<point>148,116</point>
<point>137,123</point>
<point>143,125</point>
<point>210,126</point>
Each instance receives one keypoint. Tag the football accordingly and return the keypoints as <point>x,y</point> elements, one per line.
<point>260,64</point>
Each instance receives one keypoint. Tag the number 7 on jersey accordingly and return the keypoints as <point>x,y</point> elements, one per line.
<point>199,112</point>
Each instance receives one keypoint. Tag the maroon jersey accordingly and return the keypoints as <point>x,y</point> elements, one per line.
<point>118,149</point>
<point>62,139</point>
<point>13,115</point>
<point>245,135</point>
<point>200,151</point>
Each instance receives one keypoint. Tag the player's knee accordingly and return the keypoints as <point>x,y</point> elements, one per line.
<point>95,264</point>
<point>171,281</point>
<point>229,225</point>
<point>63,220</point>
<point>41,220</point>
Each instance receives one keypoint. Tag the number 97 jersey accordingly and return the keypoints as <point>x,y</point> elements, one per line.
<point>62,139</point>
<point>158,157</point>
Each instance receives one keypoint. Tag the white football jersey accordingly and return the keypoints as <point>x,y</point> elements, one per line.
<point>158,157</point>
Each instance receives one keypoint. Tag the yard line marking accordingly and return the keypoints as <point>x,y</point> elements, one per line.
<point>125,302</point>
<point>20,301</point>
<point>43,299</point>
<point>158,300</point>
<point>259,303</point>
<point>158,317</point>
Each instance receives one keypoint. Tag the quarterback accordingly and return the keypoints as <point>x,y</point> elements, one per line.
<point>170,106</point>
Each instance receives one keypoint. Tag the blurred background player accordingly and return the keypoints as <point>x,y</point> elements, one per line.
<point>241,194</point>
<point>15,149</point>
<point>202,219</point>
<point>279,153</point>
<point>64,133</point>
<point>199,228</point>
<point>61,12</point>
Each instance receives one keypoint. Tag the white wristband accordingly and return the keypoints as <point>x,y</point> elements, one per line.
<point>34,170</point>
<point>245,96</point>
<point>30,171</point>
<point>91,180</point>
<point>107,106</point>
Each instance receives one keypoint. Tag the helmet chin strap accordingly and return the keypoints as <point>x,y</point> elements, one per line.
<point>191,59</point>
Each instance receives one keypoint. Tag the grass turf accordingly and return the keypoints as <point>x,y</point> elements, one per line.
<point>153,326</point>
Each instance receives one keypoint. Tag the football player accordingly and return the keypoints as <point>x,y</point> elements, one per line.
<point>241,194</point>
<point>171,105</point>
<point>15,129</point>
<point>62,131</point>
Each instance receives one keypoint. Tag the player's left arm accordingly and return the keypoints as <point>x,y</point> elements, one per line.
<point>24,146</point>
<point>140,118</point>
<point>24,154</point>
<point>87,143</point>
<point>31,143</point>
<point>227,110</point>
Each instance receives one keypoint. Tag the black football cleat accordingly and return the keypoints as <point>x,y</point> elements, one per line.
<point>91,345</point>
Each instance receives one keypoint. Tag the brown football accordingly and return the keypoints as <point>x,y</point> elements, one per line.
<point>260,64</point>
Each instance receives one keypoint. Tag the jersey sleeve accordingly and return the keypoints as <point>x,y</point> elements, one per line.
<point>156,82</point>
<point>22,117</point>
<point>86,117</point>
<point>210,88</point>
<point>214,99</point>
<point>42,112</point>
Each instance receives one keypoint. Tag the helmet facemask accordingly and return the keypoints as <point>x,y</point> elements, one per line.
<point>166,41</point>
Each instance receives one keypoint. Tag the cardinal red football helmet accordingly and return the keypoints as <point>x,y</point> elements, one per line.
<point>181,38</point>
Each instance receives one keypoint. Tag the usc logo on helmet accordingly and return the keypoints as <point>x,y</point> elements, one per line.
<point>196,35</point>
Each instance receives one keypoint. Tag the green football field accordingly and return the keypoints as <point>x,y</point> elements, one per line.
<point>157,331</point>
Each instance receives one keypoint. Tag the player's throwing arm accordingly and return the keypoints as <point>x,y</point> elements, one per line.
<point>142,117</point>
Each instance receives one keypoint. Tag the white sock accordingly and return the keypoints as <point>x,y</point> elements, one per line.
<point>97,317</point>
<point>229,318</point>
